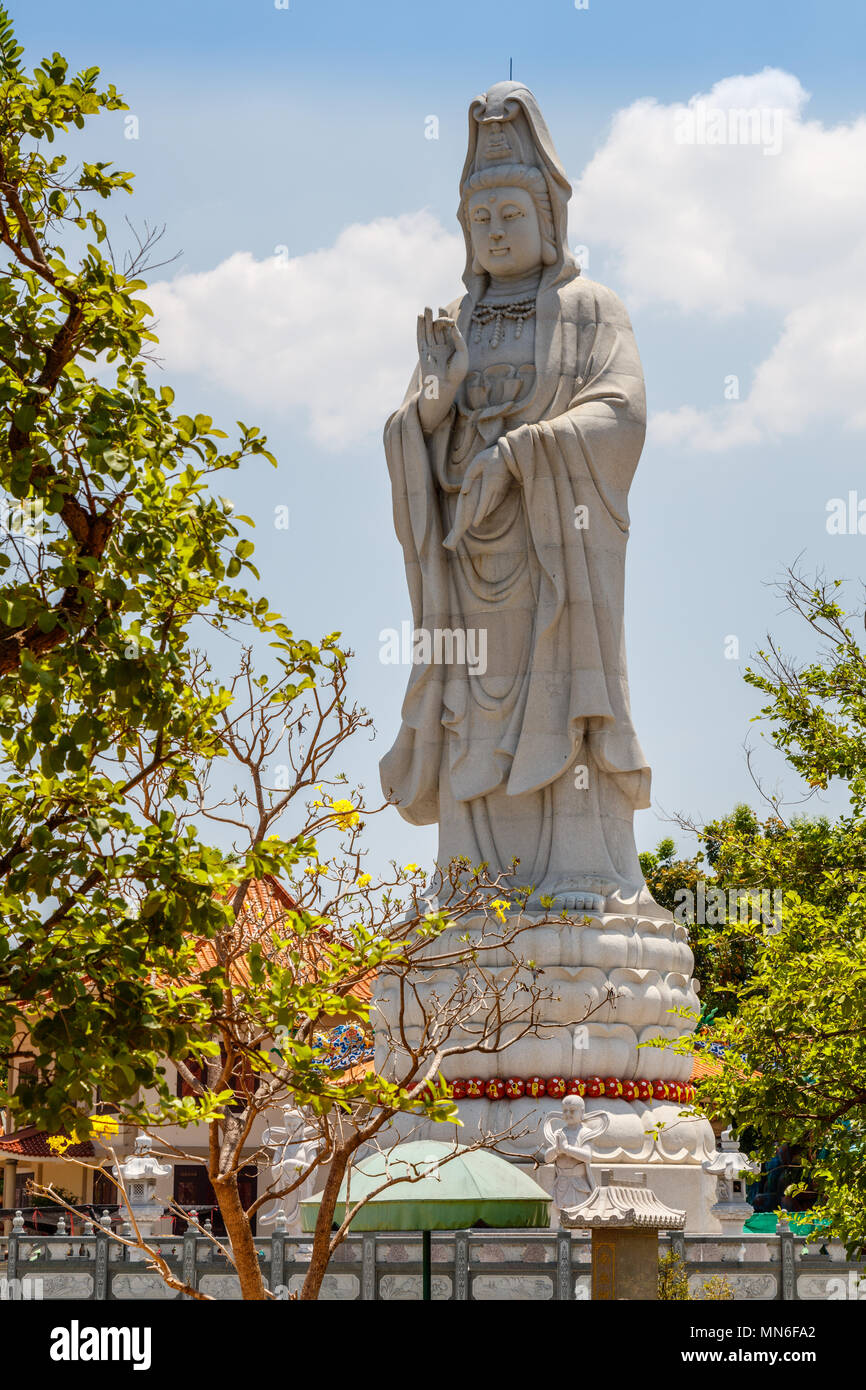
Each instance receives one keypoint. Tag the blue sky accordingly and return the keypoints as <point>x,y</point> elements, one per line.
<point>299,135</point>
<point>613,47</point>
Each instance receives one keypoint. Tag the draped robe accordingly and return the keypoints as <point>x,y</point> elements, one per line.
<point>559,689</point>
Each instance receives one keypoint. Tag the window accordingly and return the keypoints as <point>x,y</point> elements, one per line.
<point>104,1192</point>
<point>244,1078</point>
<point>192,1188</point>
<point>183,1087</point>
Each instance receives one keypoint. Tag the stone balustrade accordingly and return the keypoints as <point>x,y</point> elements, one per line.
<point>467,1265</point>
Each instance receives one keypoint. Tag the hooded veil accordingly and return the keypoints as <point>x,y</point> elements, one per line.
<point>522,139</point>
<point>505,743</point>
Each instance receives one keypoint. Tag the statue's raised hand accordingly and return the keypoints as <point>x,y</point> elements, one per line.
<point>443,358</point>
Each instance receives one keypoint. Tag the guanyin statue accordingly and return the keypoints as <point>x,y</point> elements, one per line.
<point>511,459</point>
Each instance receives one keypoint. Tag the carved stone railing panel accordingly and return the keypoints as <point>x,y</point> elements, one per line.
<point>468,1266</point>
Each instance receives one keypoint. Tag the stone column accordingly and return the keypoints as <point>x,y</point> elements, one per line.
<point>10,1169</point>
<point>625,1263</point>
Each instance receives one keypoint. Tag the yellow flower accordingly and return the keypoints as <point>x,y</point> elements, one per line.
<point>364,879</point>
<point>500,907</point>
<point>344,813</point>
<point>410,868</point>
<point>58,1143</point>
<point>105,1124</point>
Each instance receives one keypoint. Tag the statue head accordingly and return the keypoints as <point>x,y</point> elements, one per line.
<point>509,219</point>
<point>573,1110</point>
<point>513,191</point>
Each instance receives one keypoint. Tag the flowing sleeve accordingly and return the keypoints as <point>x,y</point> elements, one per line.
<point>575,469</point>
<point>409,772</point>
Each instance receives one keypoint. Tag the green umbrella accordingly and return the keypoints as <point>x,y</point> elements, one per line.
<point>472,1187</point>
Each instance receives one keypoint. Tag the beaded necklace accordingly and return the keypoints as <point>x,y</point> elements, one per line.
<point>517,311</point>
<point>501,305</point>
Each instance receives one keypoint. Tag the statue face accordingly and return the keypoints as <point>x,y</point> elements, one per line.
<point>506,237</point>
<point>572,1109</point>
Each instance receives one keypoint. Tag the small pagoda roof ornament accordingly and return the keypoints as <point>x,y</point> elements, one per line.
<point>141,1165</point>
<point>623,1205</point>
<point>727,1161</point>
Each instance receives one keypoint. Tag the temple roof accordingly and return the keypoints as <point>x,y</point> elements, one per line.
<point>265,907</point>
<point>34,1143</point>
<point>623,1205</point>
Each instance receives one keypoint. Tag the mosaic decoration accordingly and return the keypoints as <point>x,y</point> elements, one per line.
<point>342,1047</point>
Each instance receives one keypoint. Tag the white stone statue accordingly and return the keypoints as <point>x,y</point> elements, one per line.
<point>569,1150</point>
<point>511,459</point>
<point>294,1146</point>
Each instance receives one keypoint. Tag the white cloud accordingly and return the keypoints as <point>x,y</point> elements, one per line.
<point>331,334</point>
<point>710,230</point>
<point>716,229</point>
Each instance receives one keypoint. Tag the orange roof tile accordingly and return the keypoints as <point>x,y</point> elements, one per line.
<point>705,1064</point>
<point>263,911</point>
<point>33,1143</point>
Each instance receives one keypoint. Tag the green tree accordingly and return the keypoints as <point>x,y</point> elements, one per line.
<point>796,1061</point>
<point>117,557</point>
<point>114,547</point>
<point>681,885</point>
<point>271,980</point>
